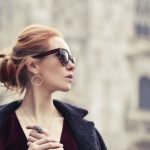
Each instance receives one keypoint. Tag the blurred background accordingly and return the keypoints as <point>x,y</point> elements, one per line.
<point>111,39</point>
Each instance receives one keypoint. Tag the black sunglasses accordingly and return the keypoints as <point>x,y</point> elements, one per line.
<point>62,54</point>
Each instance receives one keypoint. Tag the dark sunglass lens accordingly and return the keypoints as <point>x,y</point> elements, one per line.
<point>64,56</point>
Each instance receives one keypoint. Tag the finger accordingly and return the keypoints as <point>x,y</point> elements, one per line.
<point>45,140</point>
<point>36,128</point>
<point>30,127</point>
<point>29,143</point>
<point>31,139</point>
<point>51,145</point>
<point>39,131</point>
<point>36,135</point>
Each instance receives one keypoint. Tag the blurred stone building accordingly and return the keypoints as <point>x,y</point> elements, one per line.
<point>111,41</point>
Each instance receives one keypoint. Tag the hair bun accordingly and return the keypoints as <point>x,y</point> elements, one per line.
<point>7,70</point>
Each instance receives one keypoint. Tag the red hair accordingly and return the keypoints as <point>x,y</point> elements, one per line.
<point>31,40</point>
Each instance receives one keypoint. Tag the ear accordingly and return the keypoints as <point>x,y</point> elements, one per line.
<point>32,65</point>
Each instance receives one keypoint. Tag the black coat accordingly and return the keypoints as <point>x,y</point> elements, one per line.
<point>84,132</point>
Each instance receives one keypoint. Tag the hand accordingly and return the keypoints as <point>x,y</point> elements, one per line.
<point>38,129</point>
<point>42,141</point>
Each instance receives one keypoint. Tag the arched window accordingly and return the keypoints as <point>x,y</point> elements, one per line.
<point>144,93</point>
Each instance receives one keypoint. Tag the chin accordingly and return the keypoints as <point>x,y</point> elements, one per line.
<point>65,89</point>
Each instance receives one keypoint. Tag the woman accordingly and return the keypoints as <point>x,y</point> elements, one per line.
<point>41,63</point>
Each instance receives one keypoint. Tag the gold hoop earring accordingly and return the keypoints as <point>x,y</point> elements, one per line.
<point>36,80</point>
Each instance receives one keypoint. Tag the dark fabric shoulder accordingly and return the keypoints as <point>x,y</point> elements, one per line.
<point>70,109</point>
<point>6,109</point>
<point>81,127</point>
<point>100,141</point>
<point>10,106</point>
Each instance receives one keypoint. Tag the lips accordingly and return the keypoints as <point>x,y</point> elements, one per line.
<point>69,76</point>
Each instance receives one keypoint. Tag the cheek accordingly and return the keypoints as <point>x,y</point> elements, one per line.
<point>48,67</point>
<point>51,73</point>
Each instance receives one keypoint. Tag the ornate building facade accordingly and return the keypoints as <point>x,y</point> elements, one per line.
<point>111,41</point>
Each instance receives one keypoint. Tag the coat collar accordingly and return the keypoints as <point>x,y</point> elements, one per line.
<point>82,130</point>
<point>65,108</point>
<point>68,109</point>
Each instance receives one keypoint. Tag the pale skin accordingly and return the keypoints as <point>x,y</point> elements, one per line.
<point>38,104</point>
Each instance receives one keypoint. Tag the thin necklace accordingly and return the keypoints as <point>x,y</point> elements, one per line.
<point>28,122</point>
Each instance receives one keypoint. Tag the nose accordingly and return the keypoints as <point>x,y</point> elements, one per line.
<point>70,66</point>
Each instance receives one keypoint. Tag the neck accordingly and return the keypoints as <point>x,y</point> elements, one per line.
<point>38,104</point>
